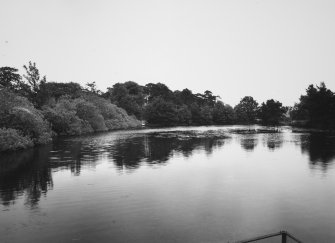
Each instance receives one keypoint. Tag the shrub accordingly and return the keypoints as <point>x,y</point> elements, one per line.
<point>88,112</point>
<point>64,120</point>
<point>114,116</point>
<point>85,115</point>
<point>8,101</point>
<point>18,113</point>
<point>31,123</point>
<point>11,139</point>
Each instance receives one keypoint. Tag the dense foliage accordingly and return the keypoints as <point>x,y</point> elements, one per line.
<point>33,109</point>
<point>272,112</point>
<point>316,108</point>
<point>246,110</point>
<point>18,113</point>
<point>11,139</point>
<point>129,96</point>
<point>223,114</point>
<point>158,105</point>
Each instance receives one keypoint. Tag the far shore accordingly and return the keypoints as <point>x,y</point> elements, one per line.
<point>247,130</point>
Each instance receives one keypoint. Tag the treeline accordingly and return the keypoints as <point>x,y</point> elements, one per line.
<point>160,106</point>
<point>33,110</point>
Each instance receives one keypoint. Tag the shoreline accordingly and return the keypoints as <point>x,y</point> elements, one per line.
<point>250,130</point>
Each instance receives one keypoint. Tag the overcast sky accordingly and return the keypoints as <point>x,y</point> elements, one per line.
<point>263,48</point>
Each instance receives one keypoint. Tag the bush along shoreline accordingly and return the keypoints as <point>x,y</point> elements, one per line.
<point>24,126</point>
<point>34,110</point>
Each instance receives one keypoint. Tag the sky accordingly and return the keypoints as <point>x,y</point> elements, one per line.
<point>234,48</point>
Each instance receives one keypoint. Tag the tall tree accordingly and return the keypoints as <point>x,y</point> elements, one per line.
<point>187,97</point>
<point>52,91</point>
<point>272,112</point>
<point>161,112</point>
<point>223,114</point>
<point>129,96</point>
<point>33,82</point>
<point>9,78</point>
<point>92,87</point>
<point>158,90</point>
<point>210,99</point>
<point>318,106</point>
<point>298,112</point>
<point>246,110</point>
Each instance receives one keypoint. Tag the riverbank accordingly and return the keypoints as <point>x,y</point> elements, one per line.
<point>22,125</point>
<point>12,140</point>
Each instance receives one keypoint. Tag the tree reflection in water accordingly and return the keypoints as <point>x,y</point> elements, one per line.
<point>273,141</point>
<point>29,173</point>
<point>248,141</point>
<point>158,148</point>
<point>25,172</point>
<point>73,155</point>
<point>320,149</point>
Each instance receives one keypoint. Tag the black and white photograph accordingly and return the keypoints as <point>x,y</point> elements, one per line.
<point>168,121</point>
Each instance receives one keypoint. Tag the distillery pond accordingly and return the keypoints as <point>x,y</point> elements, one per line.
<point>194,184</point>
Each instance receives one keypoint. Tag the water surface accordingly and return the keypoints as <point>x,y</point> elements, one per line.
<point>195,184</point>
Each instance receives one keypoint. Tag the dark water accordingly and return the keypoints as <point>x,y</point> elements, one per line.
<point>202,184</point>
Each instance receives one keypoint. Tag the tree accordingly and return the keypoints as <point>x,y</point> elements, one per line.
<point>209,98</point>
<point>9,78</point>
<point>272,112</point>
<point>57,90</point>
<point>92,87</point>
<point>89,112</point>
<point>298,113</point>
<point>206,115</point>
<point>196,114</point>
<point>158,90</point>
<point>33,82</point>
<point>18,113</point>
<point>187,97</point>
<point>223,114</point>
<point>317,106</point>
<point>129,96</point>
<point>161,112</point>
<point>246,110</point>
<point>184,115</point>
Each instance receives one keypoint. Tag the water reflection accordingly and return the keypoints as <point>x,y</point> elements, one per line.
<point>273,141</point>
<point>25,173</point>
<point>29,173</point>
<point>320,149</point>
<point>249,142</point>
<point>158,148</point>
<point>74,154</point>
<point>127,153</point>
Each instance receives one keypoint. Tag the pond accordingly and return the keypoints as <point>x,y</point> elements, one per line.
<point>194,184</point>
